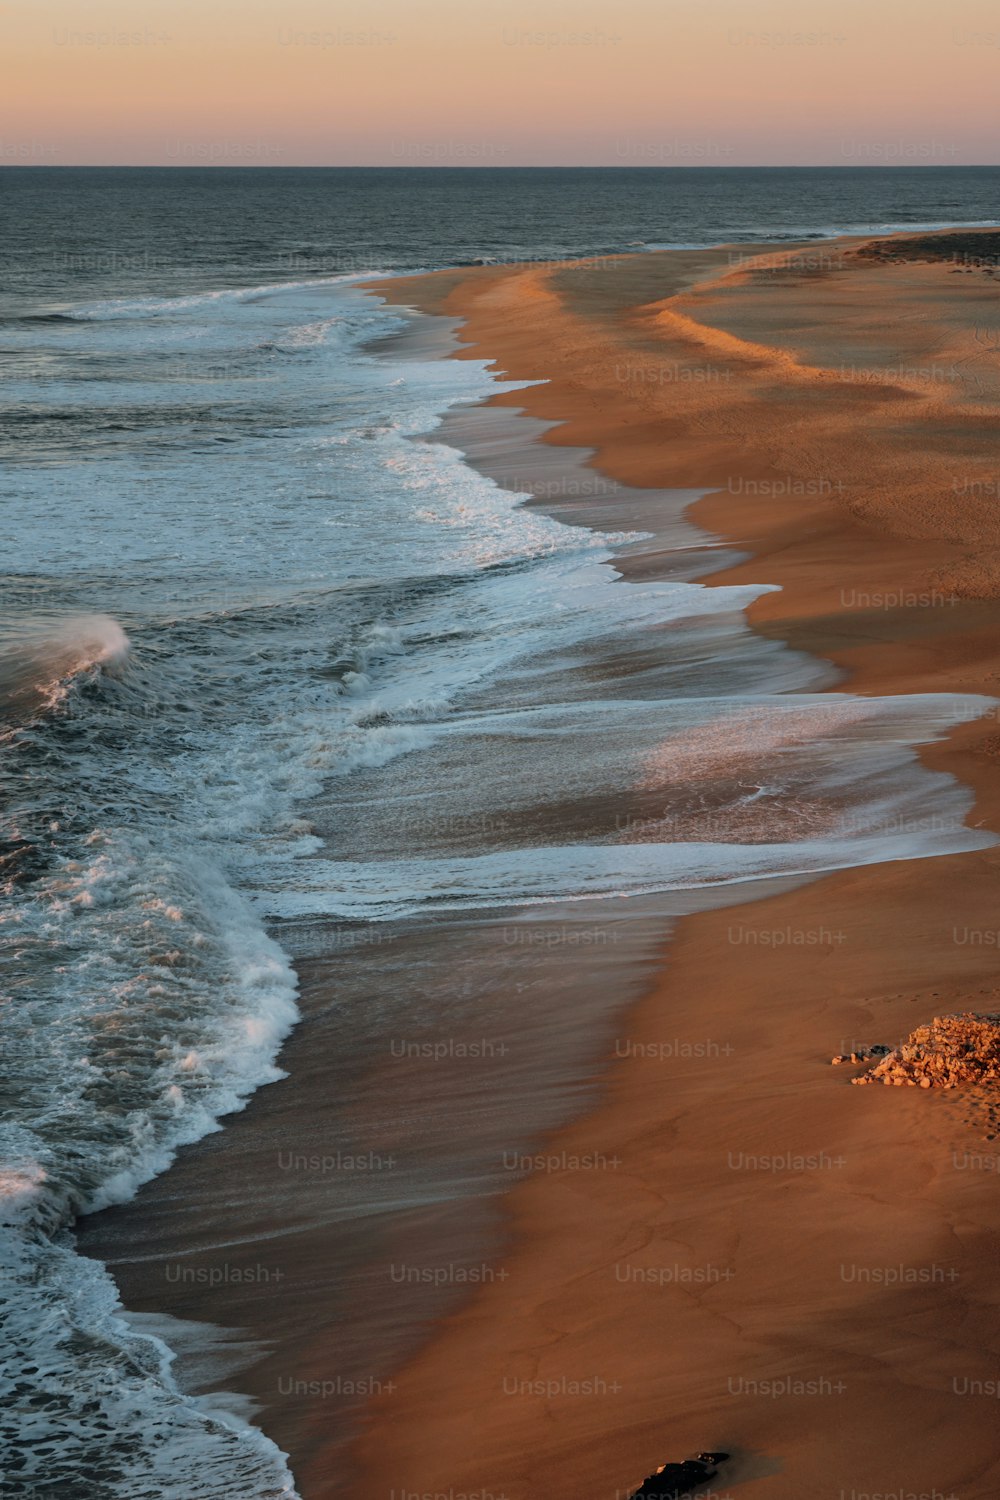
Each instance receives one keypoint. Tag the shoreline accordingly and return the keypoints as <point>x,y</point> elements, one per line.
<point>227,1184</point>
<point>566,1230</point>
<point>205,1279</point>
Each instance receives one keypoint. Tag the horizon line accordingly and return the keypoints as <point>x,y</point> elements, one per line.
<point>245,166</point>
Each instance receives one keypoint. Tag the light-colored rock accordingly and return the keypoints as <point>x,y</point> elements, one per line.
<point>950,1051</point>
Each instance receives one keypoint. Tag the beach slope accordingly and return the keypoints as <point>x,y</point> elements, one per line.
<point>767,1260</point>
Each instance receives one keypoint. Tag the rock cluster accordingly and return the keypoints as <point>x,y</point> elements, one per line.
<point>949,1052</point>
<point>861,1055</point>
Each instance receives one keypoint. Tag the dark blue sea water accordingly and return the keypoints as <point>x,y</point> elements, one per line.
<point>114,231</point>
<point>268,665</point>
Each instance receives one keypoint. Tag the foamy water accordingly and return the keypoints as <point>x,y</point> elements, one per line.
<point>267,659</point>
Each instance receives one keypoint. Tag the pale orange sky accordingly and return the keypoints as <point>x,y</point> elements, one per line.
<point>424,82</point>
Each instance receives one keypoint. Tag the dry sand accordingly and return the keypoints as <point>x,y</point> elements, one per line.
<point>779,1264</point>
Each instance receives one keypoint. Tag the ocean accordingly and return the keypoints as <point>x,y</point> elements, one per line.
<point>305,655</point>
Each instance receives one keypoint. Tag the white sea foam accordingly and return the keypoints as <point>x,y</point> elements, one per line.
<point>41,656</point>
<point>106,1416</point>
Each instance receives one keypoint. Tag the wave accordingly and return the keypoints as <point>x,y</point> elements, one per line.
<point>153,306</point>
<point>143,1002</point>
<point>134,937</point>
<point>33,318</point>
<point>40,657</point>
<point>538,878</point>
<point>80,1383</point>
<point>821,783</point>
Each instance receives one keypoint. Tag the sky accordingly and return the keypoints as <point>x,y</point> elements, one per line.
<point>482,83</point>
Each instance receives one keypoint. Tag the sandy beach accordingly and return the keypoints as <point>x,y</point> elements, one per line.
<point>733,1249</point>
<point>779,1264</point>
